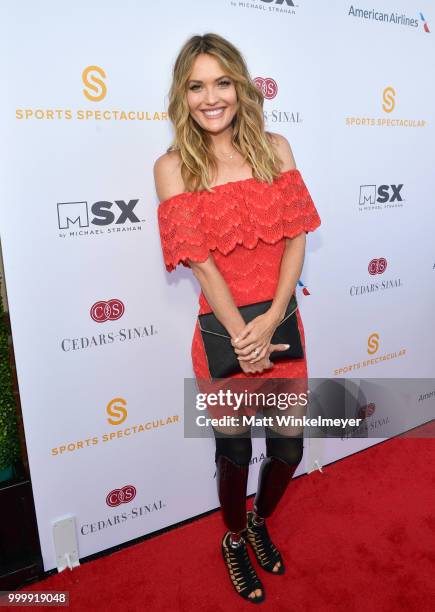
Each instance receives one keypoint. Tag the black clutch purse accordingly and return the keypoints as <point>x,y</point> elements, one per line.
<point>221,357</point>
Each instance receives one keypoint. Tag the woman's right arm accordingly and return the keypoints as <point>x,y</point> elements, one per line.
<point>218,295</point>
<point>220,300</point>
<point>216,291</point>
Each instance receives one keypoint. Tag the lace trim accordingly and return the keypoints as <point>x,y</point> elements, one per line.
<point>193,224</point>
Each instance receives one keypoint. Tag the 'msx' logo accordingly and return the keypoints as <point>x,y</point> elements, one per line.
<point>103,213</point>
<point>379,197</point>
<point>381,194</point>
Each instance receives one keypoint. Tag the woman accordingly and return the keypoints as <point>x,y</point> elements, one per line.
<point>234,208</point>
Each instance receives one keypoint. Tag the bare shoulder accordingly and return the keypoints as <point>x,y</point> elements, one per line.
<point>167,175</point>
<point>284,151</point>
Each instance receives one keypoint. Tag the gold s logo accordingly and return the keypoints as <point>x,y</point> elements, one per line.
<point>373,343</point>
<point>389,101</point>
<point>116,408</point>
<point>91,81</point>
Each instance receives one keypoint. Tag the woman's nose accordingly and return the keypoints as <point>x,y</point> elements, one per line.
<point>211,96</point>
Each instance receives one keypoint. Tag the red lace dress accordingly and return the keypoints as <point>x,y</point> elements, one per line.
<point>244,225</point>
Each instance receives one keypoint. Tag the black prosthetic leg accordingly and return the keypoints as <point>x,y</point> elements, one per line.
<point>233,454</point>
<point>283,455</point>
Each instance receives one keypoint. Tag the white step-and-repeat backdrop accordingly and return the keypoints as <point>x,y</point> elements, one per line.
<point>102,334</point>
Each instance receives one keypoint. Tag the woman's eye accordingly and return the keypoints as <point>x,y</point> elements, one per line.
<point>196,86</point>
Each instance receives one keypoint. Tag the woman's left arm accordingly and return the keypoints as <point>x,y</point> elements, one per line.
<point>259,331</point>
<point>291,268</point>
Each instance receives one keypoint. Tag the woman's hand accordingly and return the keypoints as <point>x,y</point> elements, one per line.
<point>256,336</point>
<point>253,368</point>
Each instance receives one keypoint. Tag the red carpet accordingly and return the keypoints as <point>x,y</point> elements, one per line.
<point>359,537</point>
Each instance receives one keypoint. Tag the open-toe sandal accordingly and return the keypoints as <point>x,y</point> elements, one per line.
<point>264,549</point>
<point>241,570</point>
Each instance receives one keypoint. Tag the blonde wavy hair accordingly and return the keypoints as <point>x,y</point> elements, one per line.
<point>198,163</point>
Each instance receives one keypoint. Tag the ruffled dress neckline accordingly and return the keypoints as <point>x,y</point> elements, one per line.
<point>229,184</point>
<point>195,223</point>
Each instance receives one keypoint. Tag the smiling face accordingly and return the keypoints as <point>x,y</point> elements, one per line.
<point>211,95</point>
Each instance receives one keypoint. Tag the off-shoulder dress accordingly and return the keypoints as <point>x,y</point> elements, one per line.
<point>244,225</point>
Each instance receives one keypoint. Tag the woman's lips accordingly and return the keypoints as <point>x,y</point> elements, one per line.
<point>215,114</point>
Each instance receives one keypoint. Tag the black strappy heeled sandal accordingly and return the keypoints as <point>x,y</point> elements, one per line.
<point>241,571</point>
<point>264,549</point>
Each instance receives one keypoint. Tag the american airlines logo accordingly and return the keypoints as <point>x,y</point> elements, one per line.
<point>83,219</point>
